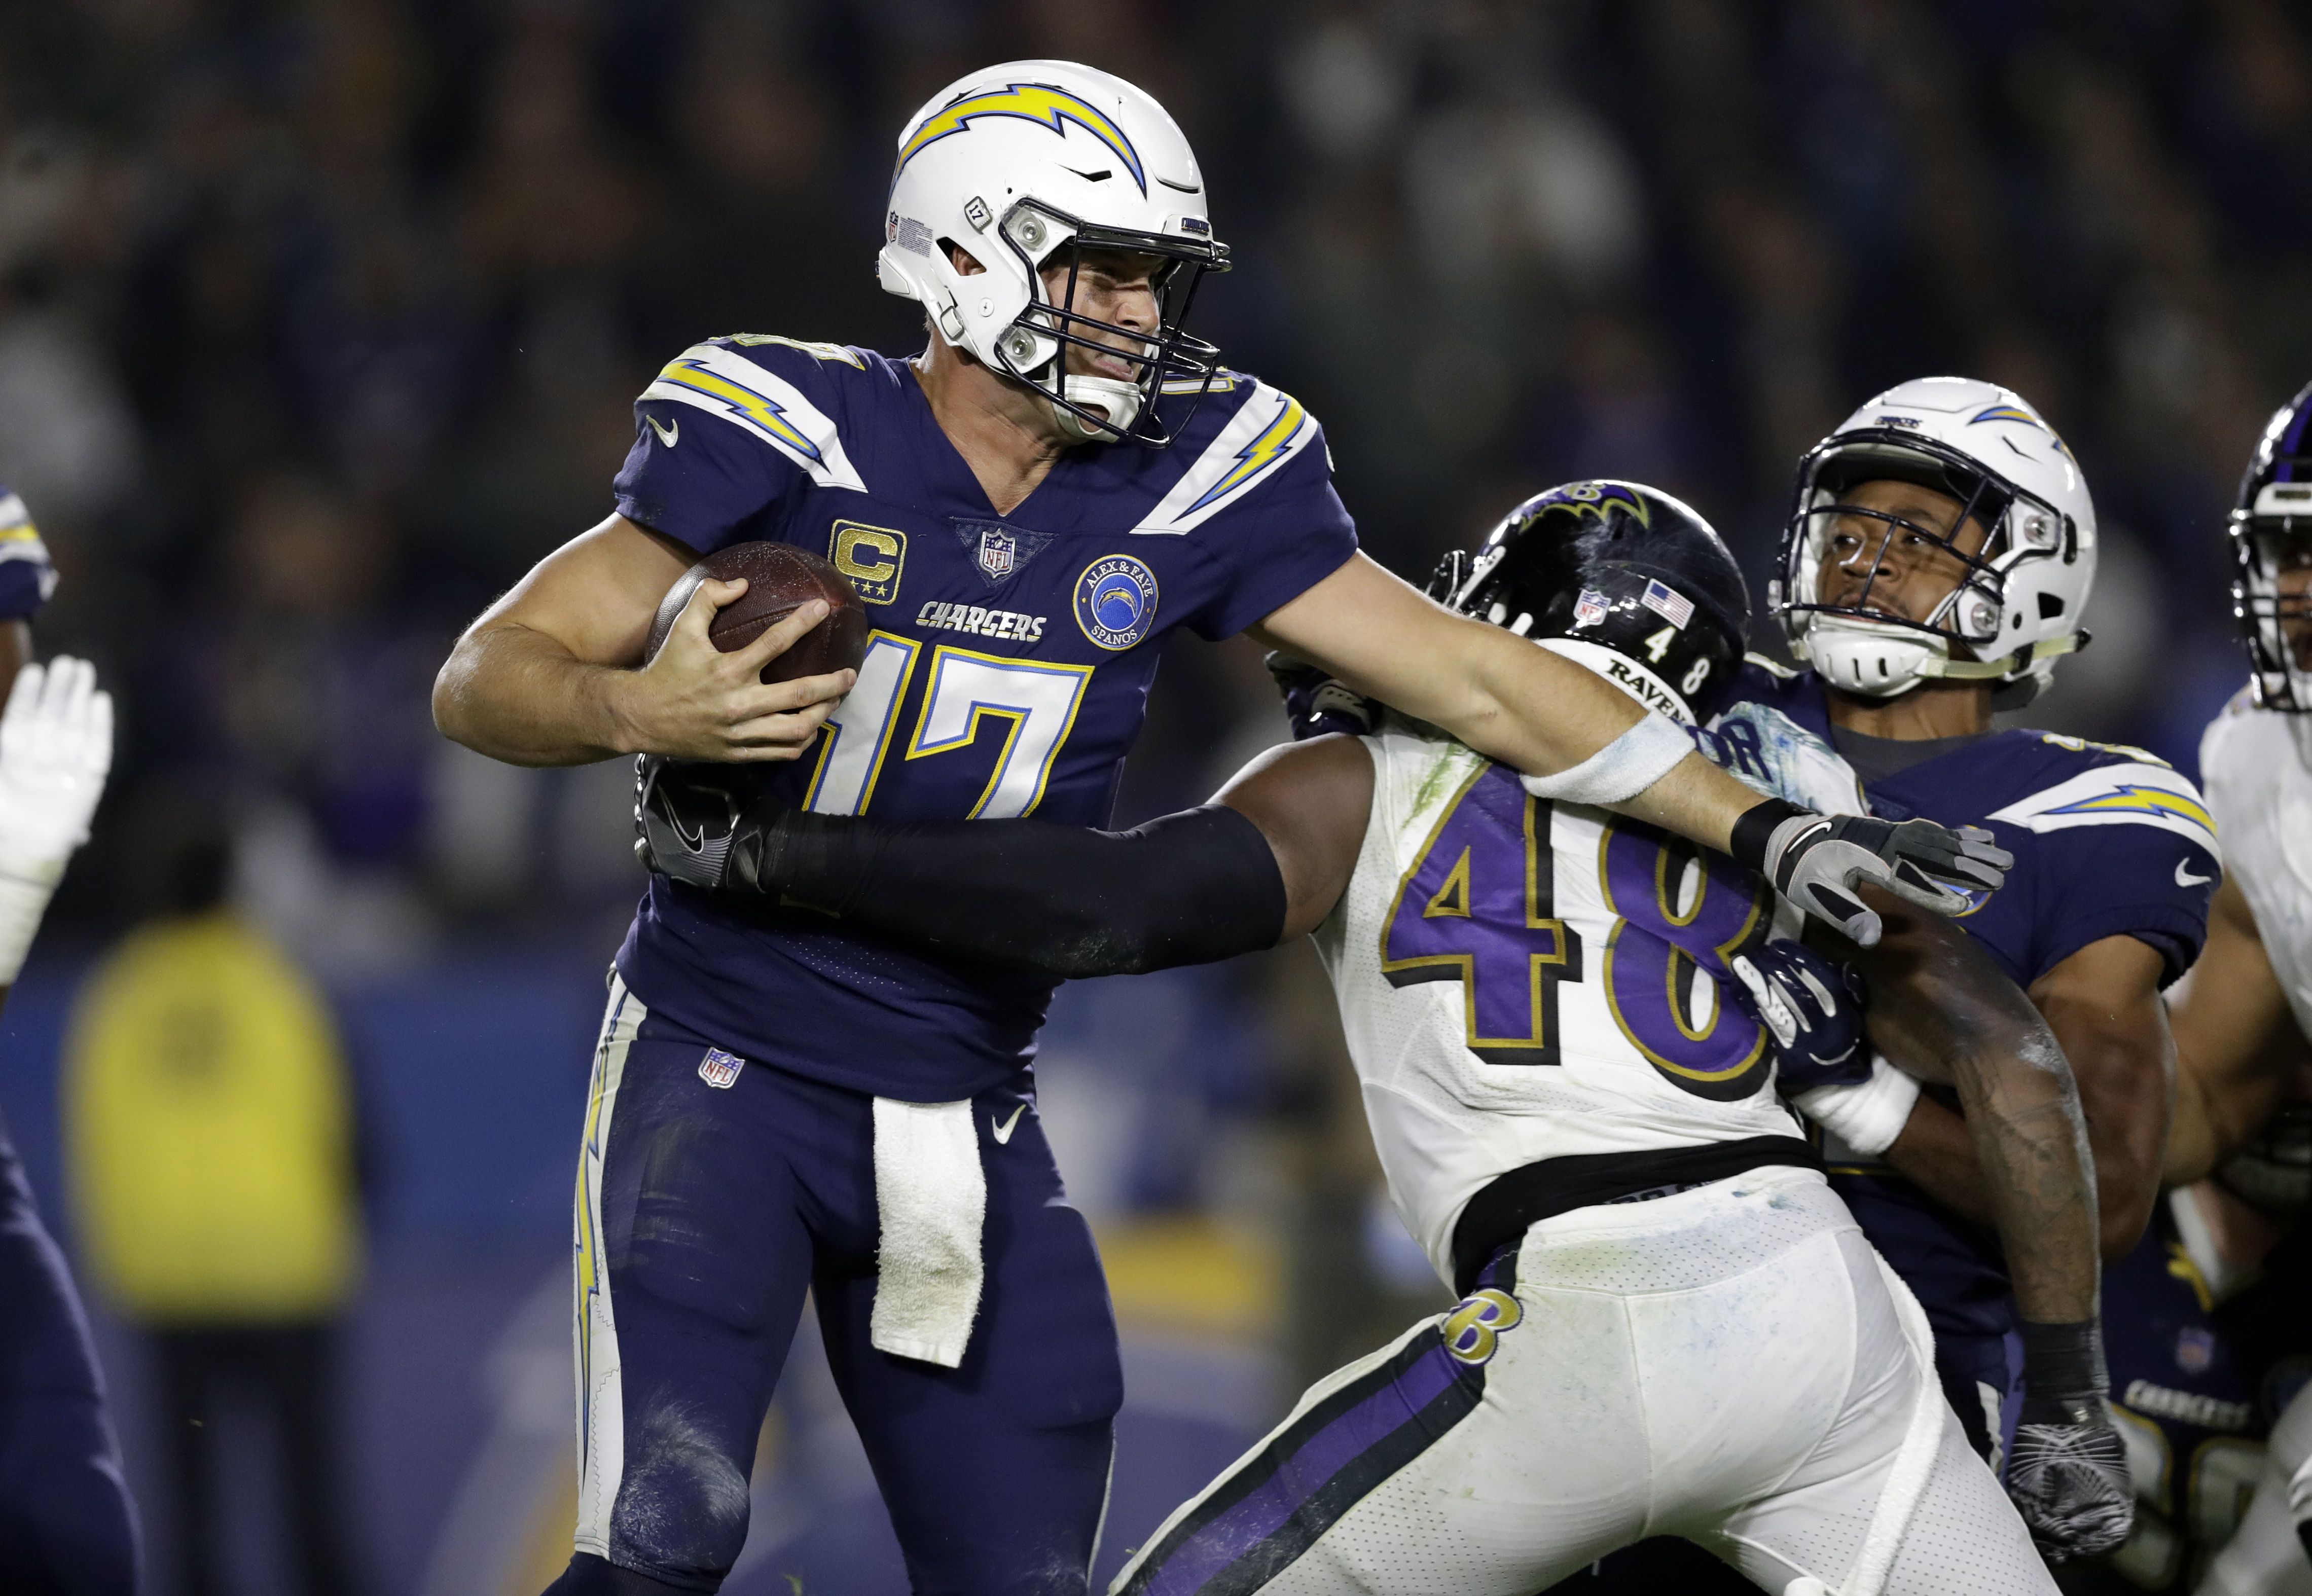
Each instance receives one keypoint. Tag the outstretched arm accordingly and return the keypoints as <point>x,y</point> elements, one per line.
<point>1265,861</point>
<point>1578,739</point>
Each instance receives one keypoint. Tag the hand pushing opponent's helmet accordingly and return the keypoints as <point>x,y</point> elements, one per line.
<point>2015,608</point>
<point>1018,163</point>
<point>2270,529</point>
<point>1621,577</point>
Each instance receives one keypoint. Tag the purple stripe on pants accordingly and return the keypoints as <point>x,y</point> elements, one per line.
<point>1265,1511</point>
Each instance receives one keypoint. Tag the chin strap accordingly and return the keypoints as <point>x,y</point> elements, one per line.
<point>2007,665</point>
<point>1119,400</point>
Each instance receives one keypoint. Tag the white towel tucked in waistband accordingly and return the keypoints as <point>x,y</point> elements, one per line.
<point>930,1196</point>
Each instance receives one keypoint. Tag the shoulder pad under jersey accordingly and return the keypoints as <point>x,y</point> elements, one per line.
<point>2076,783</point>
<point>1244,437</point>
<point>780,391</point>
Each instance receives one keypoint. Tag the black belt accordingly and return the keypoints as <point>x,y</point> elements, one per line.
<point>1501,1211</point>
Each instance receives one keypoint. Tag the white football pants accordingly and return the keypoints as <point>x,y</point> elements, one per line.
<point>1733,1364</point>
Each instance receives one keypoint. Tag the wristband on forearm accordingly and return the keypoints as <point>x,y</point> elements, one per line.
<point>1754,831</point>
<point>1622,769</point>
<point>1061,900</point>
<point>2063,1365</point>
<point>1869,1114</point>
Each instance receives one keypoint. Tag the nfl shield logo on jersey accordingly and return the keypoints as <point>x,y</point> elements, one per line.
<point>1589,609</point>
<point>719,1068</point>
<point>999,552</point>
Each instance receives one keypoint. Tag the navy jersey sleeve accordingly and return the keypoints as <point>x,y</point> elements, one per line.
<point>725,435</point>
<point>26,576</point>
<point>2123,848</point>
<point>1259,502</point>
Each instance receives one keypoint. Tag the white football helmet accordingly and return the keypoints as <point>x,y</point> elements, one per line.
<point>1017,163</point>
<point>2016,608</point>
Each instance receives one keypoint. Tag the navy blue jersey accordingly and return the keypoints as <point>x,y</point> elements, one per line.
<point>1007,673</point>
<point>26,576</point>
<point>2197,1380</point>
<point>2108,841</point>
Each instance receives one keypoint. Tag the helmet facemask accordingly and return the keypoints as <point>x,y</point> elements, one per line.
<point>2268,544</point>
<point>1858,644</point>
<point>1034,349</point>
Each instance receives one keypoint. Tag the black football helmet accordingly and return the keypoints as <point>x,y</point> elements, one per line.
<point>1620,565</point>
<point>2271,531</point>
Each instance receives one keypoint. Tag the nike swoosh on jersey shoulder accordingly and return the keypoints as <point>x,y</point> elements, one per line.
<point>778,392</point>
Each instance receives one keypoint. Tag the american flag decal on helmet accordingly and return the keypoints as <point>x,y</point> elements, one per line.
<point>1667,603</point>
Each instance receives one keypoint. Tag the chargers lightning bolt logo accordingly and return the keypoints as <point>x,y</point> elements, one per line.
<point>1040,103</point>
<point>2127,797</point>
<point>688,372</point>
<point>1259,455</point>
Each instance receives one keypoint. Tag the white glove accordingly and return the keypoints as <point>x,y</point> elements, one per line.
<point>55,749</point>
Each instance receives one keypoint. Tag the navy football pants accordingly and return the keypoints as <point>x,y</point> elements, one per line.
<point>66,1528</point>
<point>705,1213</point>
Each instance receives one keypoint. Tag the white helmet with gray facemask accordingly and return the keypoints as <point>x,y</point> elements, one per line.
<point>1023,166</point>
<point>2016,607</point>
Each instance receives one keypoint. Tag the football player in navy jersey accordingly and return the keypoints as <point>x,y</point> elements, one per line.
<point>1933,570</point>
<point>66,1525</point>
<point>1062,477</point>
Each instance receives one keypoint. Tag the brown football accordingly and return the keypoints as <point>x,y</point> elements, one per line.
<point>780,578</point>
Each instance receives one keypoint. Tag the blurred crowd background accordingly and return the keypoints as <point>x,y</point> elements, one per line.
<point>320,322</point>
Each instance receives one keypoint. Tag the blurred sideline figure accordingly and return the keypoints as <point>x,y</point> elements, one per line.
<point>209,1134</point>
<point>2243,1019</point>
<point>1569,1029</point>
<point>1063,477</point>
<point>66,1525</point>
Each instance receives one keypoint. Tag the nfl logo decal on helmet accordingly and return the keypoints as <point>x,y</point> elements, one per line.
<point>1023,166</point>
<point>2015,607</point>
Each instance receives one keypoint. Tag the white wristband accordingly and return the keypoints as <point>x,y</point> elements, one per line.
<point>1869,1114</point>
<point>25,889</point>
<point>1622,769</point>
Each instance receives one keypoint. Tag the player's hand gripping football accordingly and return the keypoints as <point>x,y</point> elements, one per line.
<point>692,701</point>
<point>1817,860</point>
<point>1812,1007</point>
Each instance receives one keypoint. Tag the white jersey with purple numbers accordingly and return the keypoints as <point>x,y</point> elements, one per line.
<point>2260,794</point>
<point>1522,980</point>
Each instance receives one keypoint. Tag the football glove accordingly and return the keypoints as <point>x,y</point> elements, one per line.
<point>1817,860</point>
<point>56,750</point>
<point>2068,1471</point>
<point>1315,703</point>
<point>1812,1007</point>
<point>701,823</point>
<point>2068,1476</point>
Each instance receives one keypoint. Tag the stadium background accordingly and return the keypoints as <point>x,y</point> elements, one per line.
<point>319,323</point>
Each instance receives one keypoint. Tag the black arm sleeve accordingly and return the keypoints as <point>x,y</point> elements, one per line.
<point>1063,900</point>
